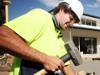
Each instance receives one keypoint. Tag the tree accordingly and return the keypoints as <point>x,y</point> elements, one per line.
<point>2,12</point>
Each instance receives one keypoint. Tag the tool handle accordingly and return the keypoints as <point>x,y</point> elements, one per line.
<point>41,72</point>
<point>65,57</point>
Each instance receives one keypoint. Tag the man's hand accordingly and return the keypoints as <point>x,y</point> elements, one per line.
<point>53,63</point>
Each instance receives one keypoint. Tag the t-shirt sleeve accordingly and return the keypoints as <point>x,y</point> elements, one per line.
<point>28,26</point>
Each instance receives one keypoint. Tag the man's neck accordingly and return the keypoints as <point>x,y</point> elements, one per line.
<point>56,21</point>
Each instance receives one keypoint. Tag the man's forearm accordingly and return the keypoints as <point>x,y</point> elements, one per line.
<point>16,46</point>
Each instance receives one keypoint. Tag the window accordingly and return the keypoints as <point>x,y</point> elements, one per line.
<point>91,73</point>
<point>83,21</point>
<point>88,22</point>
<point>87,45</point>
<point>93,23</point>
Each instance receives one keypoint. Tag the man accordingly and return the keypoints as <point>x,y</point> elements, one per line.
<point>36,40</point>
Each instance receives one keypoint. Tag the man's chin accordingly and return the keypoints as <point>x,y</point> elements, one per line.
<point>63,28</point>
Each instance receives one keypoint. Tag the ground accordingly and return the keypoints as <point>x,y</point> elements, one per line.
<point>5,68</point>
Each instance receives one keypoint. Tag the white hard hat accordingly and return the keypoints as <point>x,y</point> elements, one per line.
<point>76,7</point>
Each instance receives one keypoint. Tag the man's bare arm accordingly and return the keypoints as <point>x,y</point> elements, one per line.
<point>15,45</point>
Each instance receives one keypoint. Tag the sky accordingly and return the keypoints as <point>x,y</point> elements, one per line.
<point>20,7</point>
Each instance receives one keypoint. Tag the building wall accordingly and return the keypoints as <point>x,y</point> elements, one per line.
<point>98,22</point>
<point>89,65</point>
<point>98,45</point>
